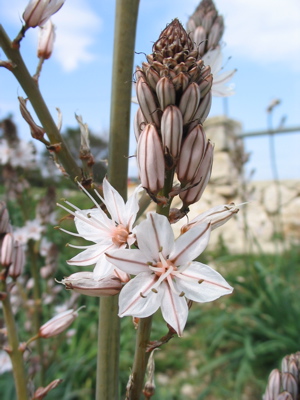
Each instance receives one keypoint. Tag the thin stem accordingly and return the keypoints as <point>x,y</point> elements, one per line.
<point>38,311</point>
<point>109,324</point>
<point>33,93</point>
<point>16,355</point>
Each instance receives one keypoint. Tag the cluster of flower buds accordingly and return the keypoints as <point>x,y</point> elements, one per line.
<point>38,12</point>
<point>285,385</point>
<point>174,94</point>
<point>12,256</point>
<point>206,27</point>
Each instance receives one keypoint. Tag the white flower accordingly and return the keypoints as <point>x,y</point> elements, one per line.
<point>213,58</point>
<point>5,363</point>
<point>31,230</point>
<point>166,273</point>
<point>22,154</point>
<point>107,233</point>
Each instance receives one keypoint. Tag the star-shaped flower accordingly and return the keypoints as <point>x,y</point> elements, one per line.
<point>107,233</point>
<point>213,58</point>
<point>165,272</point>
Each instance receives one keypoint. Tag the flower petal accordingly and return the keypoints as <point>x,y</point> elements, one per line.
<point>155,235</point>
<point>114,203</point>
<point>91,255</point>
<point>132,207</point>
<point>129,260</point>
<point>191,244</point>
<point>103,268</point>
<point>174,308</point>
<point>212,285</point>
<point>131,302</point>
<point>93,224</point>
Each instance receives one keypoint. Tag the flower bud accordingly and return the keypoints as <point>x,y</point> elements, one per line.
<point>200,39</point>
<point>171,130</point>
<point>216,32</point>
<point>83,283</point>
<point>201,179</point>
<point>180,82</point>
<point>46,40</point>
<point>16,268</point>
<point>7,250</point>
<point>147,102</point>
<point>139,123</point>
<point>57,324</point>
<point>165,92</point>
<point>284,396</point>
<point>273,387</point>
<point>217,216</point>
<point>41,392</point>
<point>150,160</point>
<point>189,102</point>
<point>4,218</point>
<point>191,154</point>
<point>290,384</point>
<point>38,12</point>
<point>152,76</point>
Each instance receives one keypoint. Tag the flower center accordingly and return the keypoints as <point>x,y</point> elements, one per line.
<point>120,235</point>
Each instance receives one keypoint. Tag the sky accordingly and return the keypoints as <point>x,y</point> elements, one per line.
<point>261,40</point>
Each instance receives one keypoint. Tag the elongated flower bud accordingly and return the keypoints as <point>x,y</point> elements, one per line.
<point>189,102</point>
<point>4,218</point>
<point>57,324</point>
<point>290,384</point>
<point>38,12</point>
<point>165,92</point>
<point>139,123</point>
<point>7,252</point>
<point>172,130</point>
<point>216,216</point>
<point>147,102</point>
<point>46,40</point>
<point>16,268</point>
<point>191,155</point>
<point>150,159</point>
<point>273,388</point>
<point>201,179</point>
<point>83,283</point>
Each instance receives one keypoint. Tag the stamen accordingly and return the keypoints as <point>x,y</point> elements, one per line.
<point>141,294</point>
<point>78,247</point>
<point>163,277</point>
<point>154,290</point>
<point>88,194</point>
<point>69,232</point>
<point>171,284</point>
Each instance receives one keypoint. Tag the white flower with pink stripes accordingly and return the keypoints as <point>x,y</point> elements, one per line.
<point>106,233</point>
<point>165,272</point>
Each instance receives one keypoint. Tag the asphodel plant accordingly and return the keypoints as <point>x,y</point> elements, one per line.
<point>140,261</point>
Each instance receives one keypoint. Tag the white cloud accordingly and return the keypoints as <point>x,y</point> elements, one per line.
<point>77,27</point>
<point>264,31</point>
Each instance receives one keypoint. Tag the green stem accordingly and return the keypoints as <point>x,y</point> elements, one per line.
<point>38,311</point>
<point>141,355</point>
<point>109,324</point>
<point>16,355</point>
<point>33,93</point>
